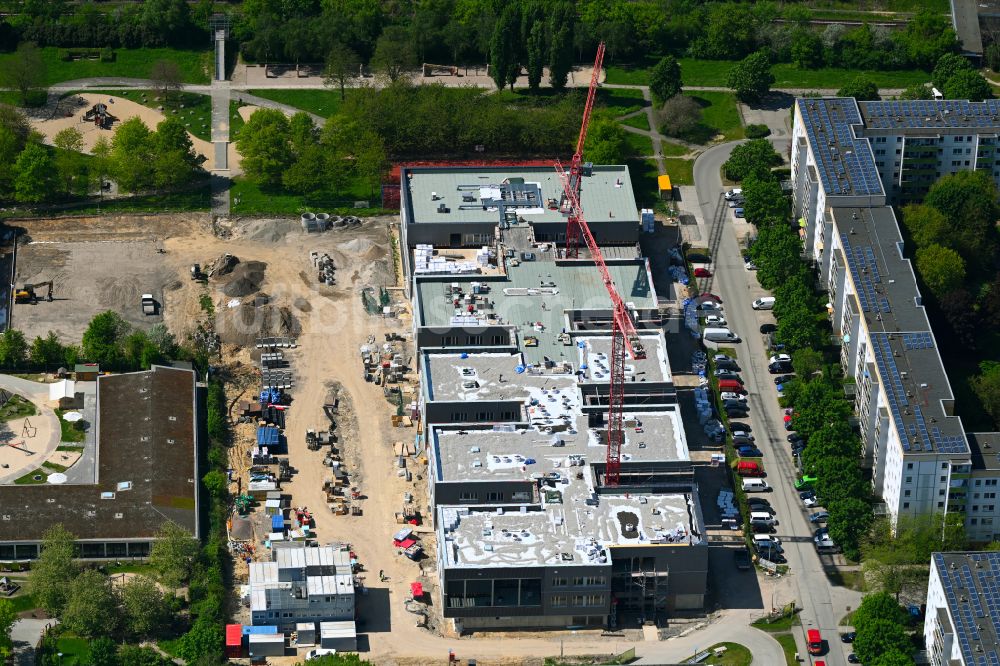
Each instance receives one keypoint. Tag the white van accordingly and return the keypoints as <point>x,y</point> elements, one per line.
<point>765,303</point>
<point>734,193</point>
<point>713,334</point>
<point>761,518</point>
<point>755,486</point>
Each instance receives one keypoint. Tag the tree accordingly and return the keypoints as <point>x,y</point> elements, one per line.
<point>800,330</point>
<point>606,142</point>
<point>927,225</point>
<point>35,174</point>
<point>91,605</point>
<point>926,38</point>
<point>679,116</point>
<point>216,484</point>
<point>893,657</point>
<point>536,55</point>
<point>861,88</point>
<point>144,607</point>
<point>941,268</point>
<point>132,155</point>
<point>764,202</point>
<point>264,146</point>
<point>879,606</point>
<point>878,637</point>
<point>751,78</point>
<point>54,569</point>
<point>968,84</point>
<point>69,161</point>
<point>948,66</point>
<point>968,199</point>
<point>104,652</point>
<point>172,554</point>
<point>102,341</point>
<point>166,77</point>
<point>47,352</point>
<point>560,56</point>
<point>25,72</point>
<point>204,639</point>
<point>175,161</point>
<point>807,363</point>
<point>504,62</point>
<point>665,79</point>
<point>987,387</point>
<point>807,49</point>
<point>13,348</point>
<point>962,315</point>
<point>393,53</point>
<point>917,91</point>
<point>849,518</point>
<point>134,655</point>
<point>755,156</point>
<point>8,616</point>
<point>342,65</point>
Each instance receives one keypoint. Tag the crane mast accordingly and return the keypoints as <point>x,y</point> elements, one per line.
<point>624,338</point>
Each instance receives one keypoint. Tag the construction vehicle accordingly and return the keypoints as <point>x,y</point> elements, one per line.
<point>148,304</point>
<point>197,273</point>
<point>27,293</point>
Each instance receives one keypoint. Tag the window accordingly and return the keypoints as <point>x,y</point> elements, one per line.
<point>906,505</point>
<point>940,505</point>
<point>899,151</point>
<point>520,496</point>
<point>906,493</point>
<point>978,482</point>
<point>959,139</point>
<point>944,465</point>
<point>909,479</point>
<point>560,582</point>
<point>880,139</point>
<point>956,163</point>
<point>494,497</point>
<point>880,151</point>
<point>989,508</point>
<point>941,493</point>
<point>973,521</point>
<point>989,495</point>
<point>975,496</point>
<point>909,465</point>
<point>987,521</point>
<point>559,601</point>
<point>943,479</point>
<point>956,151</point>
<point>468,497</point>
<point>966,162</point>
<point>589,581</point>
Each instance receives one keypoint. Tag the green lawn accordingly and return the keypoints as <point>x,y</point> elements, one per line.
<point>788,647</point>
<point>735,655</point>
<point>321,102</point>
<point>35,98</point>
<point>783,623</point>
<point>619,101</point>
<point>639,122</point>
<point>23,602</point>
<point>30,480</point>
<point>680,170</point>
<point>75,651</point>
<point>673,149</point>
<point>235,120</point>
<point>719,114</point>
<point>130,63</point>
<point>193,109</point>
<point>248,199</point>
<point>197,199</point>
<point>17,408</point>
<point>68,449</point>
<point>786,75</point>
<point>639,145</point>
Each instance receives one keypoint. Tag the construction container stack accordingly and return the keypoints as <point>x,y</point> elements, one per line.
<point>325,269</point>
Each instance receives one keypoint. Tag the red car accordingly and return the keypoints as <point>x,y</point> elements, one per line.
<point>702,273</point>
<point>706,296</point>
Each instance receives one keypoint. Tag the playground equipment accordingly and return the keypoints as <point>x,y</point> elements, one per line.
<point>100,116</point>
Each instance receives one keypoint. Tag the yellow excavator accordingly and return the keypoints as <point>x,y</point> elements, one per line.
<point>27,293</point>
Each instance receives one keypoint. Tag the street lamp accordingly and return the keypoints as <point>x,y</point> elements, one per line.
<point>60,658</point>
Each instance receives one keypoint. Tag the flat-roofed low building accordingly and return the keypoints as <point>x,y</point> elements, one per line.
<point>148,432</point>
<point>302,585</point>
<point>962,620</point>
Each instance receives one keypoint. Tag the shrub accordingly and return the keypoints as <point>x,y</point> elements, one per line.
<point>755,131</point>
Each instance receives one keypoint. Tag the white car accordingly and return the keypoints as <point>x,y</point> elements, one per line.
<point>734,396</point>
<point>811,501</point>
<point>711,306</point>
<point>733,193</point>
<point>319,652</point>
<point>715,320</point>
<point>780,358</point>
<point>750,266</point>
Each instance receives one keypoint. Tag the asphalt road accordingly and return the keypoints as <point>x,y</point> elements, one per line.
<point>822,605</point>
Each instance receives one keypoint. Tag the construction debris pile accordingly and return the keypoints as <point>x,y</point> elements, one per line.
<point>317,222</point>
<point>323,263</point>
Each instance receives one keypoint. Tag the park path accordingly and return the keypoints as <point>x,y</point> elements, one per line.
<point>220,93</point>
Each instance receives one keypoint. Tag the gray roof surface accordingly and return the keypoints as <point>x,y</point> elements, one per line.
<point>146,435</point>
<point>985,450</point>
<point>907,360</point>
<point>972,592</point>
<point>579,286</point>
<point>571,531</point>
<point>932,114</point>
<point>844,162</point>
<point>607,194</point>
<point>503,454</point>
<point>965,18</point>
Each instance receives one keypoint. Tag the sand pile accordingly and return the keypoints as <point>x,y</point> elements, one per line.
<point>224,265</point>
<point>245,279</point>
<point>267,231</point>
<point>361,247</point>
<point>244,324</point>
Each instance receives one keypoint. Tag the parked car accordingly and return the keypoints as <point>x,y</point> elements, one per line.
<point>742,434</point>
<point>848,637</point>
<point>710,296</point>
<point>702,273</point>
<point>819,517</point>
<point>728,375</point>
<point>779,368</point>
<point>727,364</point>
<point>743,442</point>
<point>729,395</point>
<point>759,504</point>
<point>715,320</point>
<point>709,306</point>
<point>737,412</point>
<point>768,328</point>
<point>749,452</point>
<point>780,358</point>
<point>767,541</point>
<point>696,258</point>
<point>781,379</point>
<point>723,357</point>
<point>810,502</point>
<point>735,192</point>
<point>739,213</point>
<point>763,303</point>
<point>794,437</point>
<point>735,425</point>
<point>853,659</point>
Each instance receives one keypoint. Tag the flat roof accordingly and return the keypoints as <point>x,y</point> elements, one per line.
<point>907,360</point>
<point>965,18</point>
<point>526,452</point>
<point>932,114</point>
<point>606,195</point>
<point>534,298</point>
<point>146,434</point>
<point>985,448</point>
<point>971,584</point>
<point>844,161</point>
<point>581,529</point>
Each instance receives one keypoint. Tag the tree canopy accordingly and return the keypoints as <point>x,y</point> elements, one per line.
<point>751,78</point>
<point>665,79</point>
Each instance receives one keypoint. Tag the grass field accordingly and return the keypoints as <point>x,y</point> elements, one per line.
<point>193,109</point>
<point>130,63</point>
<point>23,602</point>
<point>639,145</point>
<point>788,646</point>
<point>248,199</point>
<point>673,149</point>
<point>16,408</point>
<point>783,623</point>
<point>680,170</point>
<point>639,122</point>
<point>235,120</point>
<point>199,198</point>
<point>75,651</point>
<point>30,480</point>
<point>786,75</point>
<point>735,655</point>
<point>321,102</point>
<point>719,116</point>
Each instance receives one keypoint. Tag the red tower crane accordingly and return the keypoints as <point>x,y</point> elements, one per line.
<point>576,165</point>
<point>624,337</point>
